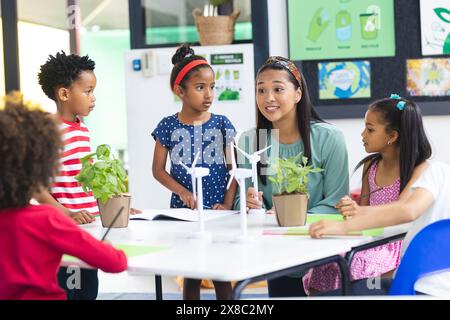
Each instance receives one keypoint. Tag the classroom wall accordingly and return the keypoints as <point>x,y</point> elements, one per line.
<point>36,42</point>
<point>437,127</point>
<point>107,123</point>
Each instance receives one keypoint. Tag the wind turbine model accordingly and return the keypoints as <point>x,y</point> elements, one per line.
<point>254,159</point>
<point>240,175</point>
<point>197,174</point>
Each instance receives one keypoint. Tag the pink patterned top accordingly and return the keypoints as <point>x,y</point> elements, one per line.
<point>384,194</point>
<point>366,264</point>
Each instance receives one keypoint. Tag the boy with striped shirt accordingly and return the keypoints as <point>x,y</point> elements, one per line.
<point>69,80</point>
<point>66,189</point>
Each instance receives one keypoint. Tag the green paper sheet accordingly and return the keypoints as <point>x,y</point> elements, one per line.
<point>138,250</point>
<point>311,218</point>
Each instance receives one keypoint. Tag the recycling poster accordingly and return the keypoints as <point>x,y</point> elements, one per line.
<point>344,79</point>
<point>335,29</point>
<point>229,70</point>
<point>435,27</point>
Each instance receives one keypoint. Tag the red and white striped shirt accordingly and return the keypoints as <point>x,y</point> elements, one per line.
<point>65,188</point>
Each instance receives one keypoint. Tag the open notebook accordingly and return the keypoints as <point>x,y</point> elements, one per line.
<point>181,214</point>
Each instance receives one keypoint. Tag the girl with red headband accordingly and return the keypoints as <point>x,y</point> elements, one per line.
<point>192,133</point>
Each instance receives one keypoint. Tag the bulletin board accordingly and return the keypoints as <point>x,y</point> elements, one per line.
<point>387,74</point>
<point>333,29</point>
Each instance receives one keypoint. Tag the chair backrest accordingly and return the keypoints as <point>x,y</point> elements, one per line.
<point>429,251</point>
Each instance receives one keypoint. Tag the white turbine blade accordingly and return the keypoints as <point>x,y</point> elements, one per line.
<point>237,136</point>
<point>254,174</point>
<point>194,189</point>
<point>196,159</point>
<point>243,152</point>
<point>229,181</point>
<point>233,158</point>
<point>184,166</point>
<point>238,181</point>
<point>263,150</point>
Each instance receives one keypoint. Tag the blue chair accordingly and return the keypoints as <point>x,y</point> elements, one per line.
<point>429,251</point>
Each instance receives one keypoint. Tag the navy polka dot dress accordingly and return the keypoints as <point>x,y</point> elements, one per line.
<point>185,141</point>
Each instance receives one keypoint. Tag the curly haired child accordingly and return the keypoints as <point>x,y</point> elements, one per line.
<point>33,239</point>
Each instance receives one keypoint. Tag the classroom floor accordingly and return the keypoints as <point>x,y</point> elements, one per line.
<point>126,287</point>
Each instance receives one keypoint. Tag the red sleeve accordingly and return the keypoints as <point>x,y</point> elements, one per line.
<point>70,239</point>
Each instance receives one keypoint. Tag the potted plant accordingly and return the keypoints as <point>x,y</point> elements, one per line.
<point>107,179</point>
<point>214,29</point>
<point>290,183</point>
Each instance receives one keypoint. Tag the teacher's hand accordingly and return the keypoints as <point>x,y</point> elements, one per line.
<point>254,201</point>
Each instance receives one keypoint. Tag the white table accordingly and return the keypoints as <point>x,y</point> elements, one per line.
<point>264,258</point>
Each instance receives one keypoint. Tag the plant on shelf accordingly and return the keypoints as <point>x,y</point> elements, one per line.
<point>290,179</point>
<point>212,28</point>
<point>106,177</point>
<point>212,9</point>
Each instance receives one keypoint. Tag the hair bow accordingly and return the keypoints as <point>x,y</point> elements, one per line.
<point>401,104</point>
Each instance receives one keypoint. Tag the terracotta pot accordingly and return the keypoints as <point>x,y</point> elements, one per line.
<point>109,210</point>
<point>291,209</point>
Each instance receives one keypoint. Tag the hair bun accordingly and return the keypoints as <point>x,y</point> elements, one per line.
<point>182,52</point>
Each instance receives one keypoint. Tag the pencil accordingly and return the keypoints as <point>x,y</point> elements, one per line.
<point>112,223</point>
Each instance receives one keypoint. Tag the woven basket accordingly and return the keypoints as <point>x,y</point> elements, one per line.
<point>215,30</point>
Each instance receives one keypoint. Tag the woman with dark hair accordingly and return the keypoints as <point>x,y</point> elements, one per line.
<point>287,121</point>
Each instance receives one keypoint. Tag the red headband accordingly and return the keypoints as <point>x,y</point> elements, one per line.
<point>191,65</point>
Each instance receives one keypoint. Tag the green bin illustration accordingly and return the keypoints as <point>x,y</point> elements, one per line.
<point>369,23</point>
<point>343,25</point>
<point>318,24</point>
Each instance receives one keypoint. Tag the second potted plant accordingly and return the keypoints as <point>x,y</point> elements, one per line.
<point>290,182</point>
<point>107,179</point>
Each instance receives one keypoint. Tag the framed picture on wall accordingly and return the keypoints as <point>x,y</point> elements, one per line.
<point>344,79</point>
<point>428,77</point>
<point>435,27</point>
<point>340,29</point>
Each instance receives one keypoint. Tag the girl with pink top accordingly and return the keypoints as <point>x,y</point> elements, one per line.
<point>396,139</point>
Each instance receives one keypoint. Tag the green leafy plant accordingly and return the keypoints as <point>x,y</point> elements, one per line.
<point>218,2</point>
<point>211,8</point>
<point>291,175</point>
<point>103,174</point>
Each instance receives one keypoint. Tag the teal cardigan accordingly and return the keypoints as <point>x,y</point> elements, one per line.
<point>328,151</point>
